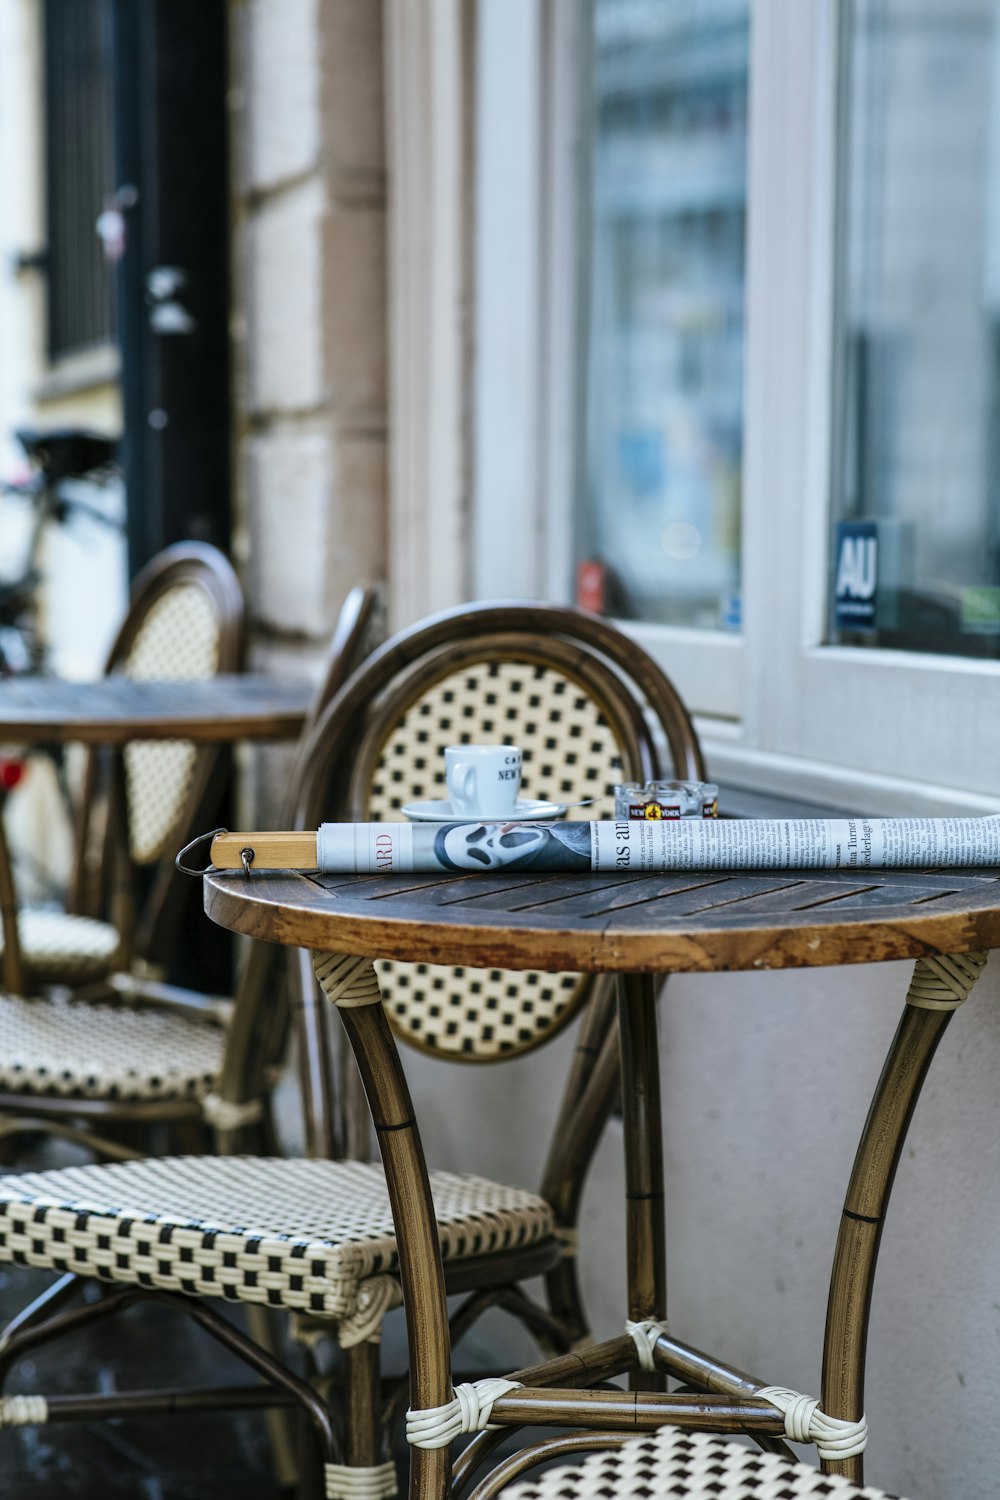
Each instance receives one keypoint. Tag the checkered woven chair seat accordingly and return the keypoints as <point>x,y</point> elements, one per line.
<point>302,1235</point>
<point>62,948</point>
<point>79,1050</point>
<point>675,1463</point>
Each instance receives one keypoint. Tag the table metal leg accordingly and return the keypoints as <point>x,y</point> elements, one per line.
<point>939,986</point>
<point>645,1228</point>
<point>353,987</point>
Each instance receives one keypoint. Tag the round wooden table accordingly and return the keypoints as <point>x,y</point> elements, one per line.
<point>115,710</point>
<point>613,924</point>
<point>637,927</point>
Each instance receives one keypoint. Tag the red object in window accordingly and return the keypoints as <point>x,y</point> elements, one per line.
<point>11,772</point>
<point>590,580</point>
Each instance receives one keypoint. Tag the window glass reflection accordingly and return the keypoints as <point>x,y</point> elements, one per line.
<point>660,512</point>
<point>915,543</point>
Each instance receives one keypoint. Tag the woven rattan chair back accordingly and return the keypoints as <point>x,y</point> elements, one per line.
<point>185,622</point>
<point>560,684</point>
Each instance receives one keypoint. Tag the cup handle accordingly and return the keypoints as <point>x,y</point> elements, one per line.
<point>462,781</point>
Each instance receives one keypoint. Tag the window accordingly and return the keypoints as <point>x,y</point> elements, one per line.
<point>663,435</point>
<point>79,172</point>
<point>915,551</point>
<point>762,305</point>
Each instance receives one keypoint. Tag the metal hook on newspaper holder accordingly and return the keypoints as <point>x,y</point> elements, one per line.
<point>203,838</point>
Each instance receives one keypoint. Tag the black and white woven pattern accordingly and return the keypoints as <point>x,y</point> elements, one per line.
<point>178,641</point>
<point>570,754</point>
<point>678,1464</point>
<point>81,1050</point>
<point>302,1235</point>
<point>60,947</point>
<point>569,750</point>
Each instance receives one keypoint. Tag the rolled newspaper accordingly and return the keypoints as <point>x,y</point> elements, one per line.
<point>628,847</point>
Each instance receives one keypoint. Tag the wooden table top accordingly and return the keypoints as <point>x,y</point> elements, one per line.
<point>600,923</point>
<point>114,710</point>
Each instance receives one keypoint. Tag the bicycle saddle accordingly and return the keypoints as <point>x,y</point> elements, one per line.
<point>67,452</point>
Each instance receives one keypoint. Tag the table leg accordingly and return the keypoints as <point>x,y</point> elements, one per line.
<point>644,1199</point>
<point>938,987</point>
<point>353,987</point>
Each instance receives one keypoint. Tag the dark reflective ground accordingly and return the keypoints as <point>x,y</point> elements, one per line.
<point>149,1458</point>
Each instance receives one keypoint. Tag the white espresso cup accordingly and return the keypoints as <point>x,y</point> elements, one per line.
<point>483,780</point>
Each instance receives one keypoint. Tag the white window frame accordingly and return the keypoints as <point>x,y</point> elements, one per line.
<point>777,709</point>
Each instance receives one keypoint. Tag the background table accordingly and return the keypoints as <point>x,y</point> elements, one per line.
<point>114,710</point>
<point>42,711</point>
<point>638,927</point>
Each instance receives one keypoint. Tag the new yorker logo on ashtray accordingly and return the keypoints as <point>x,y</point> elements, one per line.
<point>653,811</point>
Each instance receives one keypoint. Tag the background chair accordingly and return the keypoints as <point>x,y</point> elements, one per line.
<point>132,1052</point>
<point>185,622</point>
<point>315,1238</point>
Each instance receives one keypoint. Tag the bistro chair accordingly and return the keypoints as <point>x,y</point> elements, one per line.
<point>130,1051</point>
<point>185,622</point>
<point>315,1237</point>
<point>672,1463</point>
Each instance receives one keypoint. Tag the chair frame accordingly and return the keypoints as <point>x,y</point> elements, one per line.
<point>358,719</point>
<point>115,1128</point>
<point>499,628</point>
<point>150,934</point>
<point>107,880</point>
<point>593,654</point>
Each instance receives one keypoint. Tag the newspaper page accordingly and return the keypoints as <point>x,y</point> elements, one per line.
<point>637,846</point>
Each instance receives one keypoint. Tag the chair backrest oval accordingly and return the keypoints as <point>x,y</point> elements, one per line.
<point>185,623</point>
<point>562,686</point>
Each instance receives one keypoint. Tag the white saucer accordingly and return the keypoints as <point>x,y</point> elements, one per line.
<point>443,812</point>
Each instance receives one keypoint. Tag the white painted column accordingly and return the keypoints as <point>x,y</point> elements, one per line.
<point>428,114</point>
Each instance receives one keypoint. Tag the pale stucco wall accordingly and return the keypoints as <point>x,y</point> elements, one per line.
<point>766,1082</point>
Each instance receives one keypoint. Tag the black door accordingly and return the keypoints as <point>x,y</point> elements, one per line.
<point>171,158</point>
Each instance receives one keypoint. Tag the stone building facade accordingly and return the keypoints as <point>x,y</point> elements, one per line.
<point>310,311</point>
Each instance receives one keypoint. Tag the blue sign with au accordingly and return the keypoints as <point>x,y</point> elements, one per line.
<point>855,590</point>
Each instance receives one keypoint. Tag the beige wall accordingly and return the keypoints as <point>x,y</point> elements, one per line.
<point>310,313</point>
<point>766,1082</point>
<point>81,389</point>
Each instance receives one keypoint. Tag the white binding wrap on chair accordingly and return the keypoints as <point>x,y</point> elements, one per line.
<point>346,979</point>
<point>644,1336</point>
<point>23,1411</point>
<point>942,983</point>
<point>226,1114</point>
<point>470,1411</point>
<point>344,1482</point>
<point>805,1423</point>
<point>568,1237</point>
<point>376,1296</point>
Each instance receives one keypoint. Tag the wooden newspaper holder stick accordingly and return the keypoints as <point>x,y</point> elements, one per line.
<point>264,851</point>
